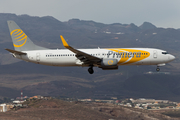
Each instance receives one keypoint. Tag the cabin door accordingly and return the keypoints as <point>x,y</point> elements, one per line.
<point>37,56</point>
<point>155,54</point>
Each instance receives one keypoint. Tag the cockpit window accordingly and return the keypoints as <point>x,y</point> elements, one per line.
<point>165,53</point>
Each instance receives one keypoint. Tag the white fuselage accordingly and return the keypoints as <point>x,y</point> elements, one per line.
<point>125,56</point>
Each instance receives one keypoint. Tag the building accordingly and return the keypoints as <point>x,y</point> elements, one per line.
<point>3,108</point>
<point>9,106</point>
<point>17,101</point>
<point>6,107</point>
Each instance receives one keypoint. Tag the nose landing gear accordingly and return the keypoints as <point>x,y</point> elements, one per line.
<point>90,70</point>
<point>157,69</point>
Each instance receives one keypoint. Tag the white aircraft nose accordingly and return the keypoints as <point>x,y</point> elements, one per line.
<point>171,57</point>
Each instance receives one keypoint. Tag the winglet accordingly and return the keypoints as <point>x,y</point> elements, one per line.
<point>64,42</point>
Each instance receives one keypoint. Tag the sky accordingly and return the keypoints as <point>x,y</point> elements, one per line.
<point>161,13</point>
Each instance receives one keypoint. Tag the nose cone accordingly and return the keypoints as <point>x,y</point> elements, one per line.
<point>171,57</point>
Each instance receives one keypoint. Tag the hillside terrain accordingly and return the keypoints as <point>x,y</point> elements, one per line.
<point>62,110</point>
<point>127,81</point>
<point>76,82</point>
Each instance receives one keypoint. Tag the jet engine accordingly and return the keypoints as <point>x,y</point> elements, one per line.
<point>109,64</point>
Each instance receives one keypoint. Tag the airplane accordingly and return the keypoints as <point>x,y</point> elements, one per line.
<point>104,58</point>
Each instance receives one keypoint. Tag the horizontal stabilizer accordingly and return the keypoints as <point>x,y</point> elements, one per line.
<point>16,52</point>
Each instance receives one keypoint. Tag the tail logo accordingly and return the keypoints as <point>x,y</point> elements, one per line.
<point>20,37</point>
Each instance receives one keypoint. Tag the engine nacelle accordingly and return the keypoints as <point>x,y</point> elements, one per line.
<point>108,63</point>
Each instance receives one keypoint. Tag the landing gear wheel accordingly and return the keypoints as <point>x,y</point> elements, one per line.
<point>90,70</point>
<point>157,69</point>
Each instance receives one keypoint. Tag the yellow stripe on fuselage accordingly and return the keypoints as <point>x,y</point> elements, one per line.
<point>128,56</point>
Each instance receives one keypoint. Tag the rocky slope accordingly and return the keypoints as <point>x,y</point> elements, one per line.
<point>60,110</point>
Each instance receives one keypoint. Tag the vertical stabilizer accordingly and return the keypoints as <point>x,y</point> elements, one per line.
<point>21,41</point>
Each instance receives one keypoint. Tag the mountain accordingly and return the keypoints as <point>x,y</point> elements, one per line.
<point>127,81</point>
<point>147,25</point>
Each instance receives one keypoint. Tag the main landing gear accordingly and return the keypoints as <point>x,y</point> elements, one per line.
<point>157,69</point>
<point>90,70</point>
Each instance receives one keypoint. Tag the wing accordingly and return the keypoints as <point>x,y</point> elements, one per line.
<point>82,56</point>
